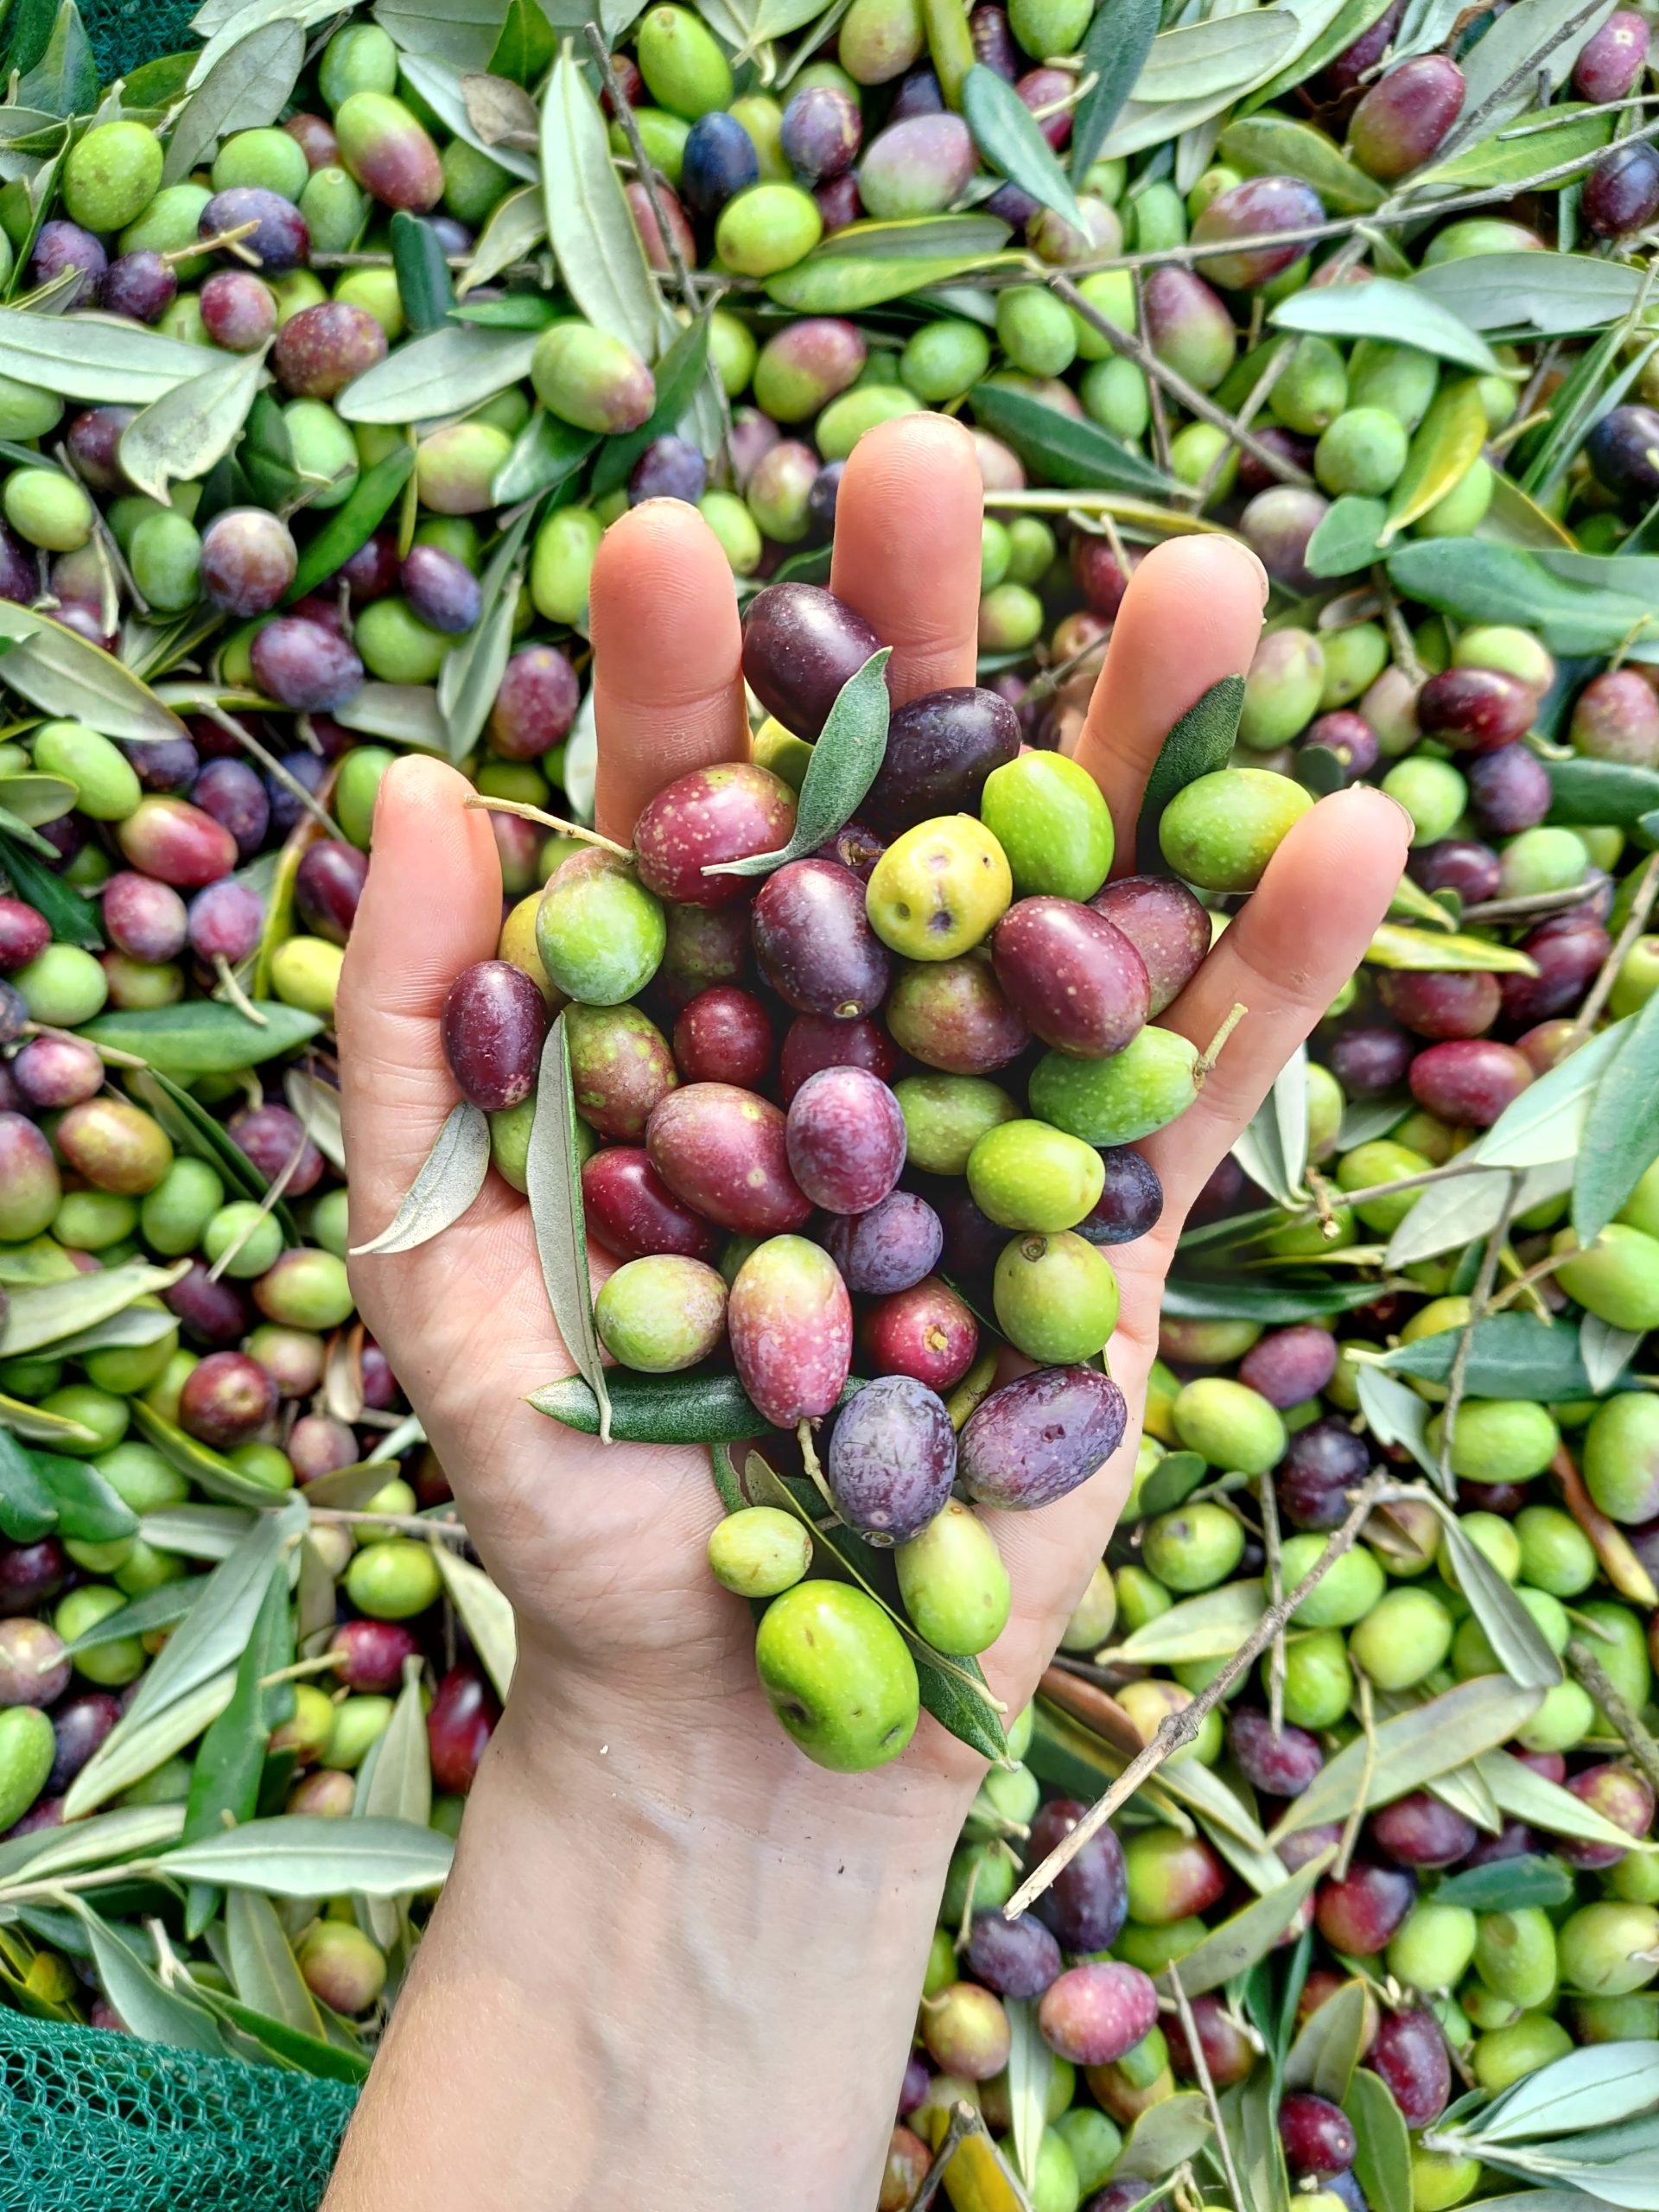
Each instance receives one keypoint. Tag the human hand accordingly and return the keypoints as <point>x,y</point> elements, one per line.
<point>601,1548</point>
<point>692,1952</point>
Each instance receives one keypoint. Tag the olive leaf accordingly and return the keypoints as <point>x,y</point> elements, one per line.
<point>350,526</point>
<point>845,762</point>
<point>1276,145</point>
<point>263,1968</point>
<point>1532,1797</point>
<point>1165,2136</point>
<point>104,364</point>
<point>63,673</point>
<point>1209,1626</point>
<point>1621,1129</point>
<point>1383,2164</point>
<point>32,798</point>
<point>516,226</point>
<point>146,2005</point>
<point>40,1314</point>
<point>1509,1885</point>
<point>445,90</point>
<point>230,1761</point>
<point>1067,449</point>
<point>1012,142</point>
<point>553,1177</point>
<point>699,1406</point>
<point>89,1510</point>
<point>1545,1124</point>
<point>1594,2088</point>
<point>589,219</point>
<point>394,1782</point>
<point>27,1509</point>
<point>544,453</point>
<point>844,283</point>
<point>103,1840</point>
<point>1234,1945</point>
<point>244,85</point>
<point>291,2047</point>
<point>1329,2044</point>
<point>486,1614</point>
<point>306,1855</point>
<point>1272,1147</point>
<point>1443,447</point>
<point>1398,313</point>
<point>162,1608</point>
<point>1198,1298</point>
<point>183,433</point>
<point>448,1182</point>
<point>1395,1414</point>
<point>1119,39</point>
<point>1346,537</point>
<point>1200,742</point>
<point>472,673</point>
<point>1622,793</point>
<point>1532,45</point>
<point>1174,1478</point>
<point>463,34</point>
<point>1449,1216</point>
<point>1478,579</point>
<point>1509,1629</point>
<point>74,920</point>
<point>1606,1352</point>
<point>1030,2070</point>
<point>134,1749</point>
<point>196,1531</point>
<point>203,1036</point>
<point>1411,1749</point>
<point>1511,1355</point>
<point>447,373</point>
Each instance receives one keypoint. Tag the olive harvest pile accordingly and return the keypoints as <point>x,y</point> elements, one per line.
<point>330,348</point>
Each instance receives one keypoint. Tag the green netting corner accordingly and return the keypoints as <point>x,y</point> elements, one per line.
<point>94,2121</point>
<point>123,33</point>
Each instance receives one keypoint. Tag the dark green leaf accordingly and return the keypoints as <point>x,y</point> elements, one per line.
<point>1012,141</point>
<point>553,1173</point>
<point>546,452</point>
<point>28,31</point>
<point>351,524</point>
<point>687,1408</point>
<point>147,2006</point>
<point>1346,537</point>
<point>921,238</point>
<point>203,1037</point>
<point>515,311</point>
<point>1200,742</point>
<point>266,457</point>
<point>230,1616</point>
<point>89,1510</point>
<point>194,1130</point>
<point>728,1489</point>
<point>1478,579</point>
<point>65,79</point>
<point>1621,1135</point>
<point>27,1509</point>
<point>1509,1885</point>
<point>1120,37</point>
<point>74,920</point>
<point>1383,2166</point>
<point>1327,2047</point>
<point>830,283</point>
<point>845,763</point>
<point>158,83</point>
<point>15,831</point>
<point>1584,790</point>
<point>1175,1478</point>
<point>1511,1355</point>
<point>678,374</point>
<point>1280,1298</point>
<point>1165,2136</point>
<point>525,44</point>
<point>472,673</point>
<point>1065,450</point>
<point>230,1760</point>
<point>311,2054</point>
<point>422,273</point>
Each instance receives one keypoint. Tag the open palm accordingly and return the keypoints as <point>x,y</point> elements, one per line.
<point>600,1548</point>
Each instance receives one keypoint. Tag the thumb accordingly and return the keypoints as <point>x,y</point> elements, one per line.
<point>431,906</point>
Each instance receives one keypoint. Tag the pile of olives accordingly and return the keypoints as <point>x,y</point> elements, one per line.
<point>852,1125</point>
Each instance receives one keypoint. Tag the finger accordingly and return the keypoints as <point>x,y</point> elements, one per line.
<point>668,689</point>
<point>431,906</point>
<point>1191,614</point>
<point>907,549</point>
<point>1283,957</point>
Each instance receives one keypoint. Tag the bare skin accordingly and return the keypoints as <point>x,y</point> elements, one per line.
<point>675,1962</point>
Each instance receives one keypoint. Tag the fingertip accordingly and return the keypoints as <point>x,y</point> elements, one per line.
<point>907,547</point>
<point>1210,573</point>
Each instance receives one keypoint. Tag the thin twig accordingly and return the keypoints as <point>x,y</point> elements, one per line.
<point>412,1523</point>
<point>1201,2068</point>
<point>1196,402</point>
<point>1625,1722</point>
<point>1400,638</point>
<point>1368,1769</point>
<point>1540,902</point>
<point>1479,1298</point>
<point>1268,1504</point>
<point>964,2122</point>
<point>1179,1729</point>
<point>1647,889</point>
<point>528,813</point>
<point>290,783</point>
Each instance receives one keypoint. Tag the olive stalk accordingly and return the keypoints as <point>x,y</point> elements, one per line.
<point>529,813</point>
<point>1179,1729</point>
<point>1201,2068</point>
<point>1624,1720</point>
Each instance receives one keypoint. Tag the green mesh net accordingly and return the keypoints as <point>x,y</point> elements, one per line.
<point>89,2118</point>
<point>123,33</point>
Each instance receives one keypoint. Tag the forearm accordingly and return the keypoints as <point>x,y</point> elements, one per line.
<point>631,1991</point>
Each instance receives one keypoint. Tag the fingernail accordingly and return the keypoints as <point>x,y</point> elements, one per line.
<point>1254,560</point>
